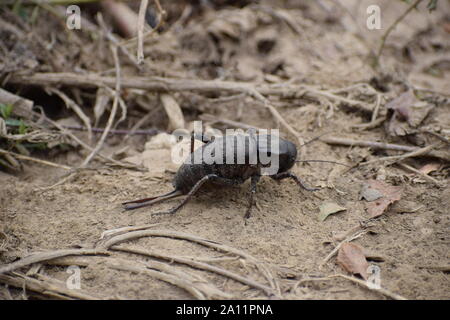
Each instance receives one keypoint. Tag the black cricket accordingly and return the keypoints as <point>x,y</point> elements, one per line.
<point>190,176</point>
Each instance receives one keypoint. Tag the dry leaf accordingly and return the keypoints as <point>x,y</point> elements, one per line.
<point>173,111</point>
<point>408,112</point>
<point>430,167</point>
<point>328,208</point>
<point>390,194</point>
<point>161,141</point>
<point>102,99</point>
<point>369,193</point>
<point>163,152</point>
<point>351,257</point>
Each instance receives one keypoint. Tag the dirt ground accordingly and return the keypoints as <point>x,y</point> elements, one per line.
<point>284,234</point>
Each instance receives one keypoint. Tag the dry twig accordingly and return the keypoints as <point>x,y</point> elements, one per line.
<point>382,145</point>
<point>45,287</point>
<point>392,27</point>
<point>416,153</point>
<point>184,236</point>
<point>197,265</point>
<point>336,249</point>
<point>113,110</point>
<point>121,264</point>
<point>45,256</point>
<point>75,107</point>
<point>44,162</point>
<point>140,31</point>
<point>364,284</point>
<point>423,175</point>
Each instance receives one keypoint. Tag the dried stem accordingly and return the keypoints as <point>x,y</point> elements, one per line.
<point>336,249</point>
<point>425,176</point>
<point>184,236</point>
<point>75,107</point>
<point>44,162</point>
<point>113,110</point>
<point>197,265</point>
<point>416,153</point>
<point>140,31</point>
<point>385,146</point>
<point>45,287</point>
<point>364,284</point>
<point>392,27</point>
<point>45,256</point>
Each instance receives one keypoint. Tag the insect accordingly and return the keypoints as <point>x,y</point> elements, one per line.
<point>256,154</point>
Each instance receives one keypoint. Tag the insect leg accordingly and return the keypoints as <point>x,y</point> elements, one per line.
<point>254,181</point>
<point>189,195</point>
<point>130,205</point>
<point>284,175</point>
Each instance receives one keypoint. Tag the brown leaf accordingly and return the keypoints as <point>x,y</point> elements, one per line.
<point>173,111</point>
<point>402,105</point>
<point>430,167</point>
<point>390,194</point>
<point>408,112</point>
<point>351,257</point>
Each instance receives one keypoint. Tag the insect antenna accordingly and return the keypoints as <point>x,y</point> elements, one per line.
<point>314,139</point>
<point>335,162</point>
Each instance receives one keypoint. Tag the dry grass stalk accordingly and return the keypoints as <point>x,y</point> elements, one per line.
<point>197,265</point>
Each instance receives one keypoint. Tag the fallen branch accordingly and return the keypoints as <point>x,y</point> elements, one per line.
<point>45,287</point>
<point>197,265</point>
<point>45,256</point>
<point>44,162</point>
<point>192,283</point>
<point>117,231</point>
<point>148,132</point>
<point>231,123</point>
<point>364,284</point>
<point>416,153</point>
<point>381,145</point>
<point>160,84</point>
<point>120,264</point>
<point>106,244</point>
<point>423,175</point>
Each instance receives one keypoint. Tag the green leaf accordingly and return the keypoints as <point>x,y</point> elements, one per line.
<point>6,110</point>
<point>432,5</point>
<point>22,127</point>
